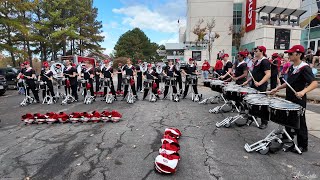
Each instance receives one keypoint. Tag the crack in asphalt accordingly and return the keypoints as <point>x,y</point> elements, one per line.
<point>206,163</point>
<point>147,175</point>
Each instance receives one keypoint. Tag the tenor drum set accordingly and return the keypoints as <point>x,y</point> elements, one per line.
<point>251,104</point>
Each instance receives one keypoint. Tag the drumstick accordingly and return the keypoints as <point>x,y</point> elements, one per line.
<point>252,77</point>
<point>230,75</point>
<point>295,92</point>
<point>266,92</point>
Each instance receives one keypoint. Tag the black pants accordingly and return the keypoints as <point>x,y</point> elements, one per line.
<point>126,88</point>
<point>49,89</point>
<point>186,88</point>
<point>146,90</point>
<point>119,88</point>
<point>139,82</point>
<point>179,81</point>
<point>273,81</point>
<point>31,85</point>
<point>302,133</point>
<point>91,89</point>
<point>73,87</point>
<point>174,88</point>
<point>97,83</point>
<point>111,87</point>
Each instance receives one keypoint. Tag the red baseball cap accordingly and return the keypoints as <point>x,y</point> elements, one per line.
<point>262,48</point>
<point>295,48</point>
<point>26,62</point>
<point>73,65</point>
<point>149,65</point>
<point>225,55</point>
<point>106,61</point>
<point>242,53</point>
<point>45,64</point>
<point>275,55</point>
<point>191,59</point>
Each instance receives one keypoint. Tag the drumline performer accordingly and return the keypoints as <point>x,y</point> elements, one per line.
<point>46,75</point>
<point>97,77</point>
<point>119,73</point>
<point>88,74</point>
<point>29,75</point>
<point>108,73</point>
<point>129,70</point>
<point>261,74</point>
<point>179,76</point>
<point>70,72</point>
<point>302,80</point>
<point>227,67</point>
<point>150,74</point>
<point>170,71</point>
<point>190,69</point>
<point>241,70</point>
<point>139,76</point>
<point>274,70</point>
<point>20,83</point>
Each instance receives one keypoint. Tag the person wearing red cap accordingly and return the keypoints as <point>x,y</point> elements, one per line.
<point>190,70</point>
<point>261,74</point>
<point>150,75</point>
<point>46,75</point>
<point>170,71</point>
<point>30,77</point>
<point>88,74</point>
<point>227,68</point>
<point>218,67</point>
<point>107,72</point>
<point>302,80</point>
<point>139,76</point>
<point>130,71</point>
<point>119,73</point>
<point>70,73</point>
<point>275,62</point>
<point>241,69</point>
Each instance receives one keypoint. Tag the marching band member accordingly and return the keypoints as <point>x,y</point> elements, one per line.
<point>139,76</point>
<point>151,75</point>
<point>108,73</point>
<point>241,70</point>
<point>88,74</point>
<point>30,76</point>
<point>46,75</point>
<point>227,67</point>
<point>302,80</point>
<point>190,69</point>
<point>71,73</point>
<point>119,72</point>
<point>179,78</point>
<point>97,77</point>
<point>275,62</point>
<point>261,74</point>
<point>129,70</point>
<point>21,88</point>
<point>170,71</point>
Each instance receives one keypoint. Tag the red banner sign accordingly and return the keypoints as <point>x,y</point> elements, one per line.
<point>251,6</point>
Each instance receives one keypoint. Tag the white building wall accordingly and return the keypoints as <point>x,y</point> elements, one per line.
<point>222,11</point>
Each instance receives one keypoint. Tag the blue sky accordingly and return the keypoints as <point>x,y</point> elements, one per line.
<point>157,18</point>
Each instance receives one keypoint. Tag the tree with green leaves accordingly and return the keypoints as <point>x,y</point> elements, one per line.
<point>136,45</point>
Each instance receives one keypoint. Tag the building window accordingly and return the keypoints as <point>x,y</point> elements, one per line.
<point>312,45</point>
<point>196,55</point>
<point>237,15</point>
<point>282,39</point>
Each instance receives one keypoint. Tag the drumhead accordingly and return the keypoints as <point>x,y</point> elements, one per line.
<point>216,82</point>
<point>286,106</point>
<point>247,90</point>
<point>254,96</point>
<point>260,102</point>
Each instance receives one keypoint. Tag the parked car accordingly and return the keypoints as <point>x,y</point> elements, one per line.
<point>10,73</point>
<point>3,85</point>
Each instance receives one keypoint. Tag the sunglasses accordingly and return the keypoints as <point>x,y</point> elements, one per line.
<point>290,54</point>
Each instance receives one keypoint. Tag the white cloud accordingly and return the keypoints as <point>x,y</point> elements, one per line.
<point>173,39</point>
<point>107,51</point>
<point>145,18</point>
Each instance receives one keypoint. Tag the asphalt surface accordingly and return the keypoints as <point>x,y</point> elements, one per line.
<point>127,149</point>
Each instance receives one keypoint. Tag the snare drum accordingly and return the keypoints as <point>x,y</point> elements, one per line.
<point>245,91</point>
<point>42,85</point>
<point>126,80</point>
<point>20,83</point>
<point>107,82</point>
<point>286,114</point>
<point>231,92</point>
<point>259,107</point>
<point>171,80</point>
<point>206,82</point>
<point>147,83</point>
<point>249,97</point>
<point>217,85</point>
<point>192,79</point>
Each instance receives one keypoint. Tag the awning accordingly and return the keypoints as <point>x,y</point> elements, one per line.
<point>281,11</point>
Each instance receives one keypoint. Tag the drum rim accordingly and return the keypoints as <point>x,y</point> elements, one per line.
<point>296,108</point>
